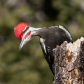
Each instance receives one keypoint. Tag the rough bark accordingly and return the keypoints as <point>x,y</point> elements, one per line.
<point>69,63</point>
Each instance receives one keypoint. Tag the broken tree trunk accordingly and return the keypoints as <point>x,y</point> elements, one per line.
<point>69,63</point>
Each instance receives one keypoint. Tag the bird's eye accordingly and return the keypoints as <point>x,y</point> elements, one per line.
<point>26,28</point>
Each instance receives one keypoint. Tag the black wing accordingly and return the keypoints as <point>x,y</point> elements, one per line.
<point>47,57</point>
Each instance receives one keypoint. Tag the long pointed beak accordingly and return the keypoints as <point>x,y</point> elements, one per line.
<point>22,43</point>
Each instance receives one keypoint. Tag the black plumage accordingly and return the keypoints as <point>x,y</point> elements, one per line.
<point>49,38</point>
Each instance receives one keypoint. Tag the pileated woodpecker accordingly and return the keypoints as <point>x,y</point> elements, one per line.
<point>49,38</point>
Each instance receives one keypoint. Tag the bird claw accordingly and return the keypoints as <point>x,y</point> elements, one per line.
<point>54,50</point>
<point>54,79</point>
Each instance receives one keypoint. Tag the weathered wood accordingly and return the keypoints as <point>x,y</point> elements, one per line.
<point>69,63</point>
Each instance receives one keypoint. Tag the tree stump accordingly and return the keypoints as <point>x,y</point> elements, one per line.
<point>69,63</point>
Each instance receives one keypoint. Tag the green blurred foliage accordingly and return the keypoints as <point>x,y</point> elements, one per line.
<point>29,66</point>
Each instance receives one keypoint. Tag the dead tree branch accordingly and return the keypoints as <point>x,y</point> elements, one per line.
<point>69,63</point>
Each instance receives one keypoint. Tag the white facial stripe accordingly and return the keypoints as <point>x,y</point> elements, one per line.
<point>33,30</point>
<point>30,29</point>
<point>29,37</point>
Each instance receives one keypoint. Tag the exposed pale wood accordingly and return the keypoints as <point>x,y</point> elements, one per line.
<point>69,63</point>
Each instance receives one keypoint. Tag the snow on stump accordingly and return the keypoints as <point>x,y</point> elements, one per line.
<point>69,63</point>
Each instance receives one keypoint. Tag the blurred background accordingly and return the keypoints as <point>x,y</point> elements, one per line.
<point>29,66</point>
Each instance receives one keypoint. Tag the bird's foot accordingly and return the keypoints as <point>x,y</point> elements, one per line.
<point>54,50</point>
<point>54,79</point>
